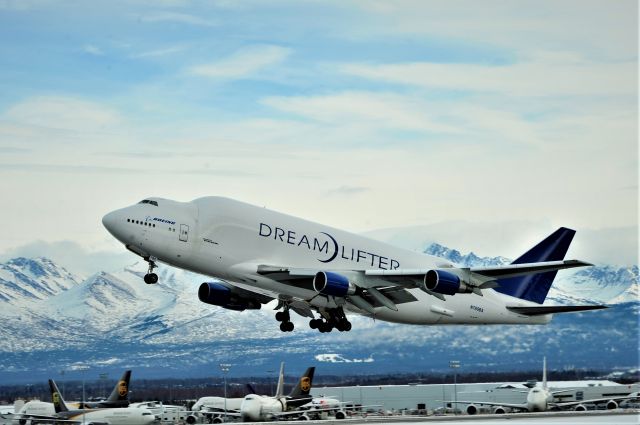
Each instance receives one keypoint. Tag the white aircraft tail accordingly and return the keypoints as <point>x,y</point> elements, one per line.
<point>280,386</point>
<point>544,372</point>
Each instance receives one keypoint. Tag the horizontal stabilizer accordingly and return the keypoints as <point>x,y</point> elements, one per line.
<point>538,311</point>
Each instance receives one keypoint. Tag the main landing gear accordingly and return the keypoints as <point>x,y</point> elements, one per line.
<point>331,318</point>
<point>150,278</point>
<point>283,316</point>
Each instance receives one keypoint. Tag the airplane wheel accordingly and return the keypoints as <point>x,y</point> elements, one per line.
<point>347,326</point>
<point>150,278</point>
<point>290,326</point>
<point>283,326</point>
<point>280,316</point>
<point>313,324</point>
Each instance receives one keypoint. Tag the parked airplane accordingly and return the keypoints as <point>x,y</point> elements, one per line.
<point>119,396</point>
<point>259,255</point>
<point>62,414</point>
<point>111,416</point>
<point>263,408</point>
<point>540,399</point>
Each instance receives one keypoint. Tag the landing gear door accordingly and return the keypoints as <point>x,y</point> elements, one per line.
<point>184,233</point>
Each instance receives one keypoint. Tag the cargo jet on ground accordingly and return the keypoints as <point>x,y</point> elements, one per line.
<point>540,399</point>
<point>319,272</point>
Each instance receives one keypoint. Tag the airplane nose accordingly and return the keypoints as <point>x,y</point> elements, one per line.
<point>108,221</point>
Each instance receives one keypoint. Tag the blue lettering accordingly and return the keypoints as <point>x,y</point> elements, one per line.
<point>382,262</point>
<point>394,265</point>
<point>305,241</point>
<point>262,226</point>
<point>360,255</point>
<point>279,234</point>
<point>291,237</point>
<point>325,246</point>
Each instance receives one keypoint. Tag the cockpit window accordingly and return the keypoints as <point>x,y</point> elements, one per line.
<point>148,201</point>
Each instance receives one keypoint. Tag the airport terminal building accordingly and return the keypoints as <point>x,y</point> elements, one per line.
<point>433,396</point>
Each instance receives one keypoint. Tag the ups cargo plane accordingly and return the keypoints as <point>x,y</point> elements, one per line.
<point>257,255</point>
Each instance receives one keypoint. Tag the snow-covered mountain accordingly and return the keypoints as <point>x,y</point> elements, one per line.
<point>54,318</point>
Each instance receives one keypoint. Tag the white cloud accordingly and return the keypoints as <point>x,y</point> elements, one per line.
<point>603,28</point>
<point>385,110</point>
<point>63,113</point>
<point>159,52</point>
<point>180,18</point>
<point>92,50</point>
<point>243,63</point>
<point>546,75</point>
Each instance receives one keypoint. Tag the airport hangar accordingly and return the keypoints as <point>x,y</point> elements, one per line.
<point>431,396</point>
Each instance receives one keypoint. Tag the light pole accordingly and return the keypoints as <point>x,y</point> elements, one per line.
<point>224,367</point>
<point>455,364</point>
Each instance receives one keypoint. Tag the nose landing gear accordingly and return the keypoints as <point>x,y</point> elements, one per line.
<point>150,278</point>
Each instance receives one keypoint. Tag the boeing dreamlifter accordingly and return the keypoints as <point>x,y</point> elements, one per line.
<point>257,255</point>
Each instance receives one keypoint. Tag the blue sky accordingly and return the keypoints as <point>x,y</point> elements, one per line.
<point>516,116</point>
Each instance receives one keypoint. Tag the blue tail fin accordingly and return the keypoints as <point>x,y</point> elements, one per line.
<point>535,287</point>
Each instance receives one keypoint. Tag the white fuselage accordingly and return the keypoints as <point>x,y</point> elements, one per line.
<point>538,399</point>
<point>113,416</point>
<point>261,408</point>
<point>227,239</point>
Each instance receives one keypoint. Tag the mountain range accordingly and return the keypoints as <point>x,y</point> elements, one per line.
<point>54,319</point>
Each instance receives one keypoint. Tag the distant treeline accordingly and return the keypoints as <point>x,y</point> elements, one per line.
<point>184,391</point>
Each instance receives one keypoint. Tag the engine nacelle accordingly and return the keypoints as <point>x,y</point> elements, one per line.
<point>445,282</point>
<point>472,409</point>
<point>340,415</point>
<point>612,404</point>
<point>499,410</point>
<point>217,294</point>
<point>191,420</point>
<point>330,283</point>
<point>580,408</point>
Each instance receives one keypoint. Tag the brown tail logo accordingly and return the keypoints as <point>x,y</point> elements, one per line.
<point>122,388</point>
<point>305,384</point>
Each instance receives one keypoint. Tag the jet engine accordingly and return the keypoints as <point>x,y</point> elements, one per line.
<point>580,408</point>
<point>472,409</point>
<point>499,410</point>
<point>223,296</point>
<point>330,283</point>
<point>444,282</point>
<point>612,404</point>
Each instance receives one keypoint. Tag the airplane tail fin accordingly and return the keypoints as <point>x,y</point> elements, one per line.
<point>280,386</point>
<point>544,372</point>
<point>535,287</point>
<point>56,398</point>
<point>304,385</point>
<point>120,392</point>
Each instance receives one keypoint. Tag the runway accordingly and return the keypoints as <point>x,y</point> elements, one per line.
<point>622,417</point>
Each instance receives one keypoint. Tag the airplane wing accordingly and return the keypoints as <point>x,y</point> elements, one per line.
<point>631,396</point>
<point>489,403</point>
<point>376,288</point>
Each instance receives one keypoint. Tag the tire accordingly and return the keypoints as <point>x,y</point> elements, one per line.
<point>280,316</point>
<point>347,326</point>
<point>283,326</point>
<point>290,326</point>
<point>313,324</point>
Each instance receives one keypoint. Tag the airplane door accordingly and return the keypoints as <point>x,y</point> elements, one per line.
<point>184,233</point>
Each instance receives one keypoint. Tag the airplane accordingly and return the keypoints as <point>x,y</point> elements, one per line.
<point>256,408</point>
<point>541,399</point>
<point>258,255</point>
<point>109,416</point>
<point>119,396</point>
